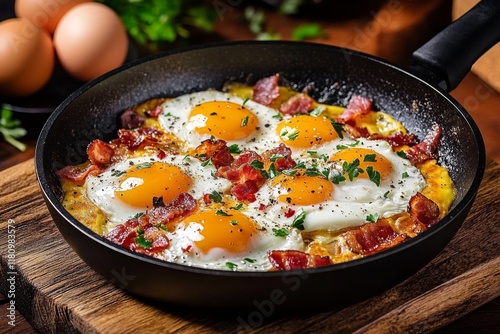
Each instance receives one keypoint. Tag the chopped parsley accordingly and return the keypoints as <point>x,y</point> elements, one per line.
<point>237,207</point>
<point>222,213</point>
<point>372,217</point>
<point>233,222</point>
<point>272,171</point>
<point>405,175</point>
<point>215,196</point>
<point>338,177</point>
<point>141,241</point>
<point>339,128</point>
<point>118,173</point>
<point>352,169</point>
<point>373,175</point>
<point>257,164</point>
<point>138,214</point>
<point>249,260</point>
<point>298,220</point>
<point>231,266</point>
<point>370,158</point>
<point>317,111</point>
<point>293,135</point>
<point>245,101</point>
<point>163,227</point>
<point>206,163</point>
<point>144,165</point>
<point>235,149</point>
<point>282,232</point>
<point>275,157</point>
<point>402,154</point>
<point>244,121</point>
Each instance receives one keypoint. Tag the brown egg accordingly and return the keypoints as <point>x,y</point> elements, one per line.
<point>27,57</point>
<point>45,14</point>
<point>90,40</point>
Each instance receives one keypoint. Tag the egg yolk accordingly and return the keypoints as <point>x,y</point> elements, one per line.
<point>224,120</point>
<point>140,183</point>
<point>229,229</point>
<point>304,131</point>
<point>366,158</point>
<point>303,189</point>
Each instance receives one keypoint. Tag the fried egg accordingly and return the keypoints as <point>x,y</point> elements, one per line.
<point>128,187</point>
<point>343,184</point>
<point>202,115</point>
<point>226,239</point>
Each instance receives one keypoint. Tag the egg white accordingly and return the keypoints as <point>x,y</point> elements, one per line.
<point>352,201</point>
<point>256,259</point>
<point>100,189</point>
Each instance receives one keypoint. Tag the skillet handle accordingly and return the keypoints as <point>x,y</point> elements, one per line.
<point>448,57</point>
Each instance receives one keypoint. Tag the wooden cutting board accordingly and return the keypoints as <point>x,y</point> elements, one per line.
<point>57,292</point>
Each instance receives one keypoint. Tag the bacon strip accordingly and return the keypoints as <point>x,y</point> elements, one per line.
<point>284,161</point>
<point>291,259</point>
<point>266,90</point>
<point>134,138</point>
<point>216,150</point>
<point>297,104</point>
<point>427,149</point>
<point>181,206</point>
<point>245,178</point>
<point>423,210</point>
<point>100,153</point>
<point>358,105</point>
<point>131,120</point>
<point>78,174</point>
<point>373,237</point>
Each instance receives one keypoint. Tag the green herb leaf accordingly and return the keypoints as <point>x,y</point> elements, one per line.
<point>10,130</point>
<point>245,101</point>
<point>232,266</point>
<point>370,158</point>
<point>372,217</point>
<point>257,164</point>
<point>138,214</point>
<point>293,135</point>
<point>244,121</point>
<point>352,169</point>
<point>163,227</point>
<point>233,222</point>
<point>402,154</point>
<point>275,157</point>
<point>235,149</point>
<point>118,173</point>
<point>206,163</point>
<point>222,213</point>
<point>215,196</point>
<point>405,175</point>
<point>142,242</point>
<point>144,165</point>
<point>299,219</point>
<point>237,207</point>
<point>272,171</point>
<point>317,111</point>
<point>282,232</point>
<point>373,175</point>
<point>339,128</point>
<point>308,31</point>
<point>338,177</point>
<point>249,260</point>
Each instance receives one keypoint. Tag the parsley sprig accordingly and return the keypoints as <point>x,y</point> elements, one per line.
<point>11,130</point>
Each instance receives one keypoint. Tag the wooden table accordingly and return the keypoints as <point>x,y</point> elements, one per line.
<point>58,306</point>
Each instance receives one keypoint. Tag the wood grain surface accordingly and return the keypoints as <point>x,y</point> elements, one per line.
<point>57,292</point>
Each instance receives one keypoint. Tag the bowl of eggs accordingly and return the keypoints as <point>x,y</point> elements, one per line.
<point>243,173</point>
<point>51,48</point>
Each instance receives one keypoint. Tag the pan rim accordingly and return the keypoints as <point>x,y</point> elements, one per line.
<point>41,172</point>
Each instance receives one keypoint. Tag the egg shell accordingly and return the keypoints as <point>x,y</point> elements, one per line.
<point>45,14</point>
<point>90,40</point>
<point>27,57</point>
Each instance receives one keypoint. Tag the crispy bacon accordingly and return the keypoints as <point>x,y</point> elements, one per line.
<point>127,235</point>
<point>245,178</point>
<point>423,210</point>
<point>181,206</point>
<point>134,138</point>
<point>358,105</point>
<point>156,111</point>
<point>291,259</point>
<point>131,120</point>
<point>100,153</point>
<point>427,149</point>
<point>77,173</point>
<point>266,90</point>
<point>216,150</point>
<point>297,104</point>
<point>373,237</point>
<point>356,132</point>
<point>284,160</point>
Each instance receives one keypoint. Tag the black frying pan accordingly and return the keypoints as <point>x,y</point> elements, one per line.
<point>334,74</point>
